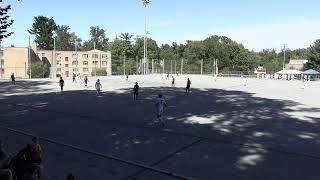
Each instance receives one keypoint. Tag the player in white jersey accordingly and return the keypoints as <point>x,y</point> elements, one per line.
<point>98,86</point>
<point>160,105</point>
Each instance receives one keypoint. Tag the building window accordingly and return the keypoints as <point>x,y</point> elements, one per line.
<point>58,62</point>
<point>74,55</point>
<point>104,63</point>
<point>43,54</point>
<point>85,69</point>
<point>74,63</point>
<point>66,65</point>
<point>95,55</point>
<point>58,69</point>
<point>95,62</point>
<point>85,63</point>
<point>74,69</point>
<point>85,56</point>
<point>104,56</point>
<point>1,53</point>
<point>2,62</point>
<point>66,59</point>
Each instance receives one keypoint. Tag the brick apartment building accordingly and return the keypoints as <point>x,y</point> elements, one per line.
<point>64,63</point>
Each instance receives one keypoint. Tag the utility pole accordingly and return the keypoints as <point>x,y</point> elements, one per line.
<point>181,71</point>
<point>284,56</point>
<point>217,67</point>
<point>201,66</point>
<point>54,64</point>
<point>76,53</point>
<point>152,66</point>
<point>124,64</point>
<point>171,67</point>
<point>94,53</point>
<point>30,64</point>
<point>213,67</point>
<point>137,65</point>
<point>145,52</point>
<point>163,66</point>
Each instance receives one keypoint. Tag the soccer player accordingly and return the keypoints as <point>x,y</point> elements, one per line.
<point>13,79</point>
<point>136,91</point>
<point>86,81</point>
<point>173,81</point>
<point>74,77</point>
<point>160,105</point>
<point>98,86</point>
<point>61,83</point>
<point>188,86</point>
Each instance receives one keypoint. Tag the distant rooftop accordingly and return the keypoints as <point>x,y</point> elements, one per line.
<point>298,61</point>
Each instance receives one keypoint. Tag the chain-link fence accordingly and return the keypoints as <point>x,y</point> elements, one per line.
<point>167,66</point>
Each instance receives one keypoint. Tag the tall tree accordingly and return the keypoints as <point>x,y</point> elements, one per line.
<point>98,37</point>
<point>153,49</point>
<point>75,39</point>
<point>166,52</point>
<point>65,40</point>
<point>127,46</point>
<point>5,22</point>
<point>43,27</point>
<point>314,56</point>
<point>126,37</point>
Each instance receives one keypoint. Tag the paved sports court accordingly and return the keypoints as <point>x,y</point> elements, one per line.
<point>229,129</point>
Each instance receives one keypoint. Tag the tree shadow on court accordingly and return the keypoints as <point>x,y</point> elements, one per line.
<point>22,86</point>
<point>210,133</point>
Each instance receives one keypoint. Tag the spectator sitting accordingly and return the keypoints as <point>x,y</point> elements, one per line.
<point>27,163</point>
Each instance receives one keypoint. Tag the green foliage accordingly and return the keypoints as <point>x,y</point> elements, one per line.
<point>39,69</point>
<point>99,72</point>
<point>65,41</point>
<point>153,48</point>
<point>5,22</point>
<point>314,56</point>
<point>43,27</point>
<point>98,37</point>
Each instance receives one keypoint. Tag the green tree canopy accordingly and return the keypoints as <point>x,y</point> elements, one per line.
<point>43,28</point>
<point>153,49</point>
<point>314,56</point>
<point>65,41</point>
<point>39,69</point>
<point>98,38</point>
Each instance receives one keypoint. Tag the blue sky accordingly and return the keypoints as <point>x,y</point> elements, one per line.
<point>257,24</point>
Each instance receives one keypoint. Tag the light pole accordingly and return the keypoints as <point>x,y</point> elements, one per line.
<point>94,54</point>
<point>284,55</point>
<point>54,63</point>
<point>145,56</point>
<point>29,59</point>
<point>124,63</point>
<point>76,53</point>
<point>171,67</point>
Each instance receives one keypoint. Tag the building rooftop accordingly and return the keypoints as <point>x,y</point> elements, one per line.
<point>298,61</point>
